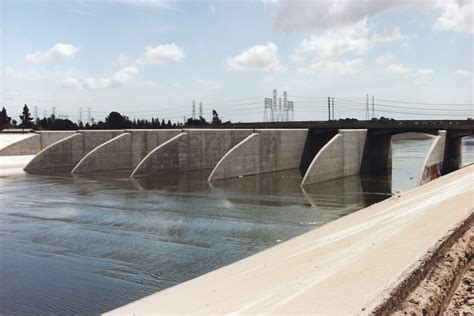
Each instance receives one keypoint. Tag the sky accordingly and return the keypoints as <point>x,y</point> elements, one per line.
<point>152,58</point>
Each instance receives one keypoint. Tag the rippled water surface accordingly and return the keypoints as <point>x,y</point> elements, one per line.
<point>90,244</point>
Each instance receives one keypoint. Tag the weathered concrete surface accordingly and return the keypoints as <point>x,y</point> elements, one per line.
<point>197,149</point>
<point>144,141</point>
<point>341,157</point>
<point>50,137</point>
<point>356,260</point>
<point>242,160</point>
<point>34,143</point>
<point>63,154</point>
<point>271,150</point>
<point>27,146</point>
<point>171,156</point>
<point>114,154</point>
<point>432,167</point>
<point>123,152</point>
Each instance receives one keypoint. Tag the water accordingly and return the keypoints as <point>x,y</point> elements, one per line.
<point>90,244</point>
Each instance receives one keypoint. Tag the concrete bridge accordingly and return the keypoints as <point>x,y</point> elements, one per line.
<point>328,150</point>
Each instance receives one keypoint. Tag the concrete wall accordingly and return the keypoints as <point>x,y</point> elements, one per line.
<point>341,157</point>
<point>114,154</point>
<point>267,150</point>
<point>27,146</point>
<point>432,167</point>
<point>50,137</point>
<point>34,143</point>
<point>124,151</point>
<point>194,149</point>
<point>61,155</point>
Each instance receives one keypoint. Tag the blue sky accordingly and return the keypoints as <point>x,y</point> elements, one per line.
<point>153,57</point>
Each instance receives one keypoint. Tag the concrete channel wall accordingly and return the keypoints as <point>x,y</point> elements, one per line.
<point>433,163</point>
<point>266,150</point>
<point>34,143</point>
<point>341,157</point>
<point>63,155</point>
<point>124,151</point>
<point>194,149</point>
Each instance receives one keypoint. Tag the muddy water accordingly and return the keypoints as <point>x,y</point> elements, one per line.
<point>90,244</point>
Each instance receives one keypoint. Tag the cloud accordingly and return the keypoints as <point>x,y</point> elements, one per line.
<point>58,52</point>
<point>8,72</point>
<point>258,57</point>
<point>349,67</point>
<point>161,54</point>
<point>210,85</point>
<point>457,16</point>
<point>334,43</point>
<point>423,75</point>
<point>383,59</point>
<point>294,16</point>
<point>392,35</point>
<point>213,9</point>
<point>159,4</point>
<point>398,69</point>
<point>419,75</point>
<point>463,73</point>
<point>71,83</point>
<point>121,77</point>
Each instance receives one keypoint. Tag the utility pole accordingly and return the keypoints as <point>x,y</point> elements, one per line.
<point>89,115</point>
<point>373,107</point>
<point>367,108</point>
<point>329,108</point>
<point>80,115</point>
<point>54,111</point>
<point>333,108</point>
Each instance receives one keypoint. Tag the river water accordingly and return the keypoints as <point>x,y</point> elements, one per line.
<point>90,244</point>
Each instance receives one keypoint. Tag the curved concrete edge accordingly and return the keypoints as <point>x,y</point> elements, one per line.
<point>432,165</point>
<point>27,146</point>
<point>242,159</point>
<point>311,175</point>
<point>140,169</point>
<point>107,156</point>
<point>58,154</point>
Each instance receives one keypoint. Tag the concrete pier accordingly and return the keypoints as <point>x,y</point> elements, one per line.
<point>34,143</point>
<point>358,259</point>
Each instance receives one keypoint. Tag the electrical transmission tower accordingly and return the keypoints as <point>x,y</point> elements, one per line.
<point>194,110</point>
<point>80,115</point>
<point>332,99</point>
<point>367,108</point>
<point>268,109</point>
<point>89,115</point>
<point>373,107</point>
<point>200,109</point>
<point>291,111</point>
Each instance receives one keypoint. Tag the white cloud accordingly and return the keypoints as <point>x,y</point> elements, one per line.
<point>160,4</point>
<point>121,77</point>
<point>213,9</point>
<point>58,52</point>
<point>210,85</point>
<point>423,75</point>
<point>333,43</point>
<point>392,35</point>
<point>161,54</point>
<point>258,57</point>
<point>398,69</point>
<point>8,72</point>
<point>294,16</point>
<point>462,73</point>
<point>71,83</point>
<point>457,15</point>
<point>349,67</point>
<point>383,59</point>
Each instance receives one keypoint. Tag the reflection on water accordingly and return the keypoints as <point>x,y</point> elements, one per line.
<point>90,244</point>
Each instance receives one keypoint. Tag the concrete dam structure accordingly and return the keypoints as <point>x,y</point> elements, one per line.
<point>325,153</point>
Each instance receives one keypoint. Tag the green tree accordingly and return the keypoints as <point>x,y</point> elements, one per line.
<point>4,119</point>
<point>26,119</point>
<point>215,118</point>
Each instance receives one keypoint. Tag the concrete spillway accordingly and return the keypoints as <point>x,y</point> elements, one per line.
<point>229,153</point>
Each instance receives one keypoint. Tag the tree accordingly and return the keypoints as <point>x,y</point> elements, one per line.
<point>26,119</point>
<point>215,118</point>
<point>115,120</point>
<point>4,119</point>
